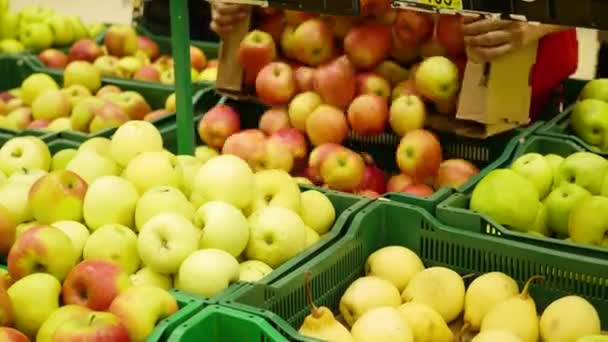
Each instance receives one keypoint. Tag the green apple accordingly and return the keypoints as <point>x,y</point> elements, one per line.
<point>593,338</point>
<point>83,73</point>
<point>110,199</point>
<point>50,105</point>
<point>91,165</point>
<point>3,178</point>
<point>36,36</point>
<point>80,31</point>
<point>27,176</point>
<point>11,46</point>
<point>34,85</point>
<point>253,270</point>
<point>108,115</point>
<point>95,29</point>
<point>588,224</point>
<point>555,161</point>
<point>13,197</point>
<point>317,211</point>
<point>76,93</point>
<point>84,112</point>
<point>204,153</point>
<point>437,78</point>
<point>113,243</point>
<point>61,159</point>
<point>276,235</point>
<point>59,316</point>
<point>190,166</point>
<point>128,65</point>
<point>35,13</point>
<point>57,196</point>
<point>207,272</point>
<point>151,169</point>
<point>207,75</point>
<point>536,169</point>
<point>133,103</point>
<point>589,121</point>
<point>9,26</point>
<point>34,297</point>
<point>166,240</point>
<point>585,169</point>
<point>161,199</point>
<point>595,89</point>
<point>277,188</point>
<point>100,145</point>
<point>77,232</point>
<point>508,198</point>
<point>62,30</point>
<point>134,138</point>
<point>225,178</point>
<point>60,125</point>
<point>94,325</point>
<point>24,152</point>
<point>108,66</point>
<point>559,205</point>
<point>540,223</point>
<point>140,308</point>
<point>146,276</point>
<point>223,226</point>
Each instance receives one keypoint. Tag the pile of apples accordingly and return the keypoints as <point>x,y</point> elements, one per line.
<point>280,143</point>
<point>549,196</point>
<point>411,303</point>
<point>125,54</point>
<point>82,104</point>
<point>162,220</point>
<point>39,27</point>
<point>589,118</point>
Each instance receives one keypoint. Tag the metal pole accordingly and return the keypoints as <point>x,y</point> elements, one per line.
<point>180,43</point>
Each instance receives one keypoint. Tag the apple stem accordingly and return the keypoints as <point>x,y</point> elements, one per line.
<point>313,308</point>
<point>91,319</point>
<point>525,291</point>
<point>463,330</point>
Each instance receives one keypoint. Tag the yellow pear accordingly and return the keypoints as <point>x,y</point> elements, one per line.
<point>496,336</point>
<point>483,293</point>
<point>516,314</point>
<point>321,322</point>
<point>568,319</point>
<point>367,293</point>
<point>396,264</point>
<point>382,324</point>
<point>426,323</point>
<point>438,287</point>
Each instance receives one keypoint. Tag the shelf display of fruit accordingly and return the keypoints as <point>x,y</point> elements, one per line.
<point>400,275</point>
<point>125,54</point>
<point>550,194</point>
<point>39,27</point>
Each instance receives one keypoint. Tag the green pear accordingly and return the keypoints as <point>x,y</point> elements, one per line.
<point>595,89</point>
<point>588,223</point>
<point>508,198</point>
<point>560,203</point>
<point>584,169</point>
<point>537,169</point>
<point>9,26</point>
<point>589,121</point>
<point>555,161</point>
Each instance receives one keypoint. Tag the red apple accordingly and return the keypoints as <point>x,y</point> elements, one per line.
<point>6,96</point>
<point>461,63</point>
<point>413,27</point>
<point>107,90</point>
<point>121,40</point>
<point>398,183</point>
<point>374,7</point>
<point>53,58</point>
<point>304,78</point>
<point>12,335</point>
<point>94,284</point>
<point>198,60</point>
<point>368,193</point>
<point>387,17</point>
<point>256,50</point>
<point>368,114</point>
<point>421,190</point>
<point>148,46</point>
<point>374,178</point>
<point>432,47</point>
<point>156,114</point>
<point>419,155</point>
<point>373,84</point>
<point>275,84</point>
<point>403,51</point>
<point>108,115</point>
<point>297,17</point>
<point>368,45</point>
<point>454,173</point>
<point>316,158</point>
<point>213,63</point>
<point>38,124</point>
<point>147,73</point>
<point>7,314</point>
<point>326,124</point>
<point>267,11</point>
<point>273,120</point>
<point>343,170</point>
<point>295,141</point>
<point>247,144</point>
<point>5,280</point>
<point>217,124</point>
<point>340,25</point>
<point>273,25</point>
<point>313,42</point>
<point>335,82</point>
<point>449,33</point>
<point>92,326</point>
<point>404,88</point>
<point>133,103</point>
<point>85,50</point>
<point>287,45</point>
<point>8,226</point>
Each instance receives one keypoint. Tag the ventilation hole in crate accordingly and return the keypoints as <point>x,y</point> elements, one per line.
<point>425,225</point>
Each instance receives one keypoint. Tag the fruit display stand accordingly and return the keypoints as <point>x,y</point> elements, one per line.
<point>455,211</point>
<point>283,302</point>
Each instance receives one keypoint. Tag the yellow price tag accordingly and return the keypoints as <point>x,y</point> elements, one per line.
<point>451,4</point>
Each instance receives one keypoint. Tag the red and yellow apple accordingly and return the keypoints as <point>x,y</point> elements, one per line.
<point>419,155</point>
<point>57,196</point>
<point>85,50</point>
<point>368,114</point>
<point>53,58</point>
<point>217,124</point>
<point>326,124</point>
<point>274,119</point>
<point>275,84</point>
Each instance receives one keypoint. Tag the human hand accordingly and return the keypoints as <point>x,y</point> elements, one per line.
<point>488,39</point>
<point>225,15</point>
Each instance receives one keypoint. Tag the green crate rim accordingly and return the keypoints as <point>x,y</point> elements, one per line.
<point>189,306</point>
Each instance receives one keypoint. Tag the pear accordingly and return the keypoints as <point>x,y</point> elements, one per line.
<point>496,336</point>
<point>440,288</point>
<point>382,324</point>
<point>516,314</point>
<point>568,319</point>
<point>396,264</point>
<point>367,293</point>
<point>426,323</point>
<point>483,294</point>
<point>321,322</point>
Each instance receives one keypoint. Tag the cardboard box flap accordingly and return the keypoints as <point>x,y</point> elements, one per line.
<point>230,72</point>
<point>466,128</point>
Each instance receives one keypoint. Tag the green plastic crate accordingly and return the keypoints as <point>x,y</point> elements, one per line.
<point>223,324</point>
<point>188,307</point>
<point>455,210</point>
<point>283,302</point>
